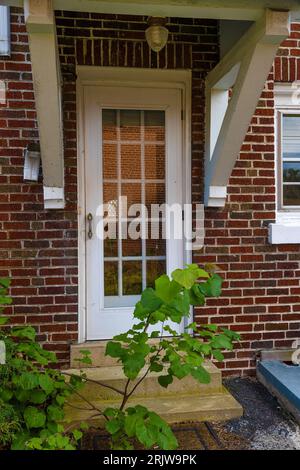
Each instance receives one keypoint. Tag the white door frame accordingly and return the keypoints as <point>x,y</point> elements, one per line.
<point>120,76</point>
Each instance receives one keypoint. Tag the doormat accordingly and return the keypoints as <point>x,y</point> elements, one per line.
<point>193,436</point>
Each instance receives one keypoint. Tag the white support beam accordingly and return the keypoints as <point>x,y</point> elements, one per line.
<point>40,24</point>
<point>247,67</point>
<point>215,9</point>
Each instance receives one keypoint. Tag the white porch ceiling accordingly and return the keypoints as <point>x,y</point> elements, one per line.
<point>217,9</point>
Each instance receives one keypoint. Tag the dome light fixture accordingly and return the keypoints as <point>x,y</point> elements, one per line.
<point>157,33</point>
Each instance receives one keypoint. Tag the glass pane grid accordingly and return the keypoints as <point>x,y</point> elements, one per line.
<point>133,165</point>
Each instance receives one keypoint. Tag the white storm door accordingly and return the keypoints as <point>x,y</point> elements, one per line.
<point>133,148</point>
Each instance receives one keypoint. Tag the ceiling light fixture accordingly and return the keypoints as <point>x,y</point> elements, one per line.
<point>157,33</point>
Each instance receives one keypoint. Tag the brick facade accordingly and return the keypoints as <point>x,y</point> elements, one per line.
<point>39,248</point>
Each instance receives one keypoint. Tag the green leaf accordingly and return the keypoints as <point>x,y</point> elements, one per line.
<point>130,424</point>
<point>4,320</point>
<point>150,301</point>
<point>188,276</point>
<point>156,367</point>
<point>233,335</point>
<point>60,399</point>
<point>5,282</point>
<point>22,395</point>
<point>165,380</point>
<point>143,434</point>
<point>212,287</point>
<point>180,370</point>
<point>19,440</point>
<point>55,413</point>
<point>158,316</point>
<point>26,332</point>
<point>196,296</point>
<point>113,425</point>
<point>46,383</point>
<point>27,380</point>
<point>133,365</point>
<point>110,412</point>
<point>201,375</point>
<point>77,434</point>
<point>34,418</point>
<point>38,397</point>
<point>155,334</point>
<point>165,289</point>
<point>181,303</point>
<point>222,342</point>
<point>139,326</point>
<point>6,394</point>
<point>218,355</point>
<point>114,349</point>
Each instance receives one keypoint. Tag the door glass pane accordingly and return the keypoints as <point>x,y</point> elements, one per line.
<point>131,161</point>
<point>111,278</point>
<point>155,161</point>
<point>132,277</point>
<point>154,270</point>
<point>134,161</point>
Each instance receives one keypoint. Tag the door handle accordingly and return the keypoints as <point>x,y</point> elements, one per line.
<point>90,219</point>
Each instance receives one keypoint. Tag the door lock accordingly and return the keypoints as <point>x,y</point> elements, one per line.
<point>90,231</point>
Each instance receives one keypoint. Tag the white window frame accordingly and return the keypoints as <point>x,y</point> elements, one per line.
<point>286,230</point>
<point>5,31</point>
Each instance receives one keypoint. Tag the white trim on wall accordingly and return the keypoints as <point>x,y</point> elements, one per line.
<point>4,31</point>
<point>287,227</point>
<point>119,76</point>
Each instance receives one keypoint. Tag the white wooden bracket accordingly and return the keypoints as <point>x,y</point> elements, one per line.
<point>233,89</point>
<point>40,24</point>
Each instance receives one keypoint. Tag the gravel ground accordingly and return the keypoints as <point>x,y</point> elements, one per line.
<point>264,426</point>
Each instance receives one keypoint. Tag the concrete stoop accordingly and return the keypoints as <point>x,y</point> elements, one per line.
<point>184,400</point>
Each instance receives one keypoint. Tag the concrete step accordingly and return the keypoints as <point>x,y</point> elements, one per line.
<point>113,376</point>
<point>174,409</point>
<point>97,349</point>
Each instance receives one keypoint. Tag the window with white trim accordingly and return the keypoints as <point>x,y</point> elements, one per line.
<point>287,152</point>
<point>289,161</point>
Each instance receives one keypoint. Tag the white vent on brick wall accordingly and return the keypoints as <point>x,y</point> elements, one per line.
<point>4,31</point>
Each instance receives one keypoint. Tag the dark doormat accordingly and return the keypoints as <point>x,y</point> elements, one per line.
<point>193,436</point>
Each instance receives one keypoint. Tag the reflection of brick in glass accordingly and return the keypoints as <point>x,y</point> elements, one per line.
<point>155,161</point>
<point>155,269</point>
<point>111,278</point>
<point>130,124</point>
<point>110,168</point>
<point>109,124</point>
<point>130,161</point>
<point>155,126</point>
<point>132,277</point>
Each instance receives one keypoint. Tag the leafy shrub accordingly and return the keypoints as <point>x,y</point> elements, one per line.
<point>175,356</point>
<point>10,424</point>
<point>31,392</point>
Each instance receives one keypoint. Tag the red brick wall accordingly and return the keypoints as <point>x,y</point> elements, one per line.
<point>261,296</point>
<point>39,249</point>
